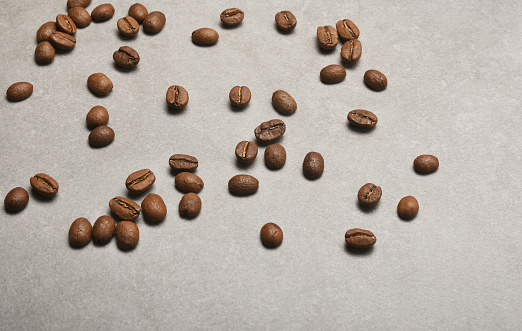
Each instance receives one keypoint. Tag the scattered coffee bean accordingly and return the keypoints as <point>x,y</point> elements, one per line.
<point>375,80</point>
<point>97,116</point>
<point>127,235</point>
<point>99,84</point>
<point>45,31</point>
<point>138,12</point>
<point>333,74</point>
<point>408,207</point>
<point>271,235</point>
<point>362,118</point>
<point>270,130</point>
<point>65,24</point>
<point>275,156</point>
<point>283,102</point>
<point>232,16</point>
<point>102,13</point>
<point>239,96</point>
<point>190,205</point>
<point>140,181</point>
<point>19,91</point>
<point>78,3</point>
<point>63,41</point>
<point>154,208</point>
<point>188,182</point>
<point>44,185</point>
<point>205,36</point>
<point>103,230</point>
<point>327,37</point>
<point>313,165</point>
<point>347,29</point>
<point>44,52</point>
<point>285,21</point>
<point>369,195</point>
<point>128,26</point>
<point>177,97</point>
<point>426,163</point>
<point>243,185</point>
<point>359,238</point>
<point>351,51</point>
<point>125,209</point>
<point>246,151</point>
<point>126,57</point>
<point>183,162</point>
<point>101,136</point>
<point>80,17</point>
<point>16,200</point>
<point>154,22</point>
<point>80,232</point>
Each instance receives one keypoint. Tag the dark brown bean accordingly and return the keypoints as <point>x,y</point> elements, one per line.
<point>138,12</point>
<point>78,3</point>
<point>347,29</point>
<point>375,80</point>
<point>188,182</point>
<point>190,205</point>
<point>239,96</point>
<point>125,209</point>
<point>45,31</point>
<point>205,36</point>
<point>80,232</point>
<point>97,116</point>
<point>177,97</point>
<point>232,16</point>
<point>140,181</point>
<point>285,21</point>
<point>80,16</point>
<point>327,37</point>
<point>44,185</point>
<point>369,195</point>
<point>154,22</point>
<point>44,52</point>
<point>351,51</point>
<point>246,151</point>
<point>99,84</point>
<point>333,74</point>
<point>103,230</point>
<point>63,41</point>
<point>408,207</point>
<point>128,26</point>
<point>16,200</point>
<point>102,13</point>
<point>283,102</point>
<point>362,118</point>
<point>101,136</point>
<point>426,163</point>
<point>19,91</point>
<point>154,208</point>
<point>126,57</point>
<point>313,165</point>
<point>270,130</point>
<point>65,24</point>
<point>127,235</point>
<point>275,156</point>
<point>359,238</point>
<point>243,185</point>
<point>183,162</point>
<point>271,235</point>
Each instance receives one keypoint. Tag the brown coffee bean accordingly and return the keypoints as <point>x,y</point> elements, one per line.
<point>240,96</point>
<point>97,116</point>
<point>190,205</point>
<point>333,74</point>
<point>78,3</point>
<point>140,181</point>
<point>103,230</point>
<point>270,130</point>
<point>232,16</point>
<point>313,165</point>
<point>188,182</point>
<point>101,136</point>
<point>285,21</point>
<point>125,209</point>
<point>246,151</point>
<point>45,31</point>
<point>44,185</point>
<point>99,84</point>
<point>205,36</point>
<point>351,51</point>
<point>127,235</point>
<point>426,163</point>
<point>16,200</point>
<point>80,232</point>
<point>63,41</point>
<point>375,80</point>
<point>362,118</point>
<point>347,29</point>
<point>138,12</point>
<point>44,52</point>
<point>183,162</point>
<point>327,37</point>
<point>408,207</point>
<point>271,235</point>
<point>275,156</point>
<point>369,195</point>
<point>19,91</point>
<point>243,185</point>
<point>126,57</point>
<point>154,208</point>
<point>359,238</point>
<point>128,26</point>
<point>154,22</point>
<point>65,24</point>
<point>102,13</point>
<point>177,97</point>
<point>80,16</point>
<point>283,102</point>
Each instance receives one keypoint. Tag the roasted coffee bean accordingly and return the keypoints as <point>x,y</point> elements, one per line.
<point>362,118</point>
<point>97,116</point>
<point>102,13</point>
<point>313,165</point>
<point>205,36</point>
<point>44,185</point>
<point>271,235</point>
<point>45,31</point>
<point>183,162</point>
<point>44,52</point>
<point>63,41</point>
<point>243,185</point>
<point>19,91</point>
<point>327,37</point>
<point>375,80</point>
<point>333,74</point>
<point>78,3</point>
<point>138,12</point>
<point>408,207</point>
<point>80,16</point>
<point>347,29</point>
<point>359,238</point>
<point>190,205</point>
<point>275,156</point>
<point>154,209</point>
<point>270,130</point>
<point>246,151</point>
<point>65,24</point>
<point>239,96</point>
<point>351,51</point>
<point>126,57</point>
<point>188,182</point>
<point>140,181</point>
<point>154,22</point>
<point>426,163</point>
<point>232,16</point>
<point>125,209</point>
<point>16,200</point>
<point>80,232</point>
<point>127,235</point>
<point>99,84</point>
<point>103,230</point>
<point>283,102</point>
<point>128,26</point>
<point>101,136</point>
<point>177,97</point>
<point>369,195</point>
<point>285,21</point>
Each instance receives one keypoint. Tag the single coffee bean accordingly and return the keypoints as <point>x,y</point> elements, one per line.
<point>183,162</point>
<point>271,235</point>
<point>369,195</point>
<point>359,238</point>
<point>65,24</point>
<point>239,96</point>
<point>102,13</point>
<point>99,84</point>
<point>44,52</point>
<point>138,12</point>
<point>78,3</point>
<point>154,208</point>
<point>101,136</point>
<point>80,232</point>
<point>177,97</point>
<point>16,200</point>
<point>426,163</point>
<point>63,41</point>
<point>140,181</point>
<point>205,36</point>
<point>246,151</point>
<point>44,185</point>
<point>19,91</point>
<point>127,235</point>
<point>188,182</point>
<point>362,118</point>
<point>313,165</point>
<point>285,21</point>
<point>327,37</point>
<point>270,130</point>
<point>45,31</point>
<point>375,80</point>
<point>97,116</point>
<point>154,22</point>
<point>190,205</point>
<point>126,57</point>
<point>243,185</point>
<point>283,102</point>
<point>232,16</point>
<point>125,209</point>
<point>351,51</point>
<point>103,230</point>
<point>275,156</point>
<point>333,74</point>
<point>128,26</point>
<point>408,207</point>
<point>347,29</point>
<point>80,16</point>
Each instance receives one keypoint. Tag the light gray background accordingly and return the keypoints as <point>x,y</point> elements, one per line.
<point>454,73</point>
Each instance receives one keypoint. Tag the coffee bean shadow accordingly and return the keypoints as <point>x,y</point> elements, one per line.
<point>244,166</point>
<point>358,251</point>
<point>203,46</point>
<point>230,27</point>
<point>62,51</point>
<point>43,64</point>
<point>154,224</point>
<point>172,111</point>
<point>365,209</point>
<point>270,248</point>
<point>237,109</point>
<point>123,37</point>
<point>323,51</point>
<point>175,172</point>
<point>123,69</point>
<point>406,219</point>
<point>241,195</point>
<point>38,197</point>
<point>349,66</point>
<point>12,212</point>
<point>422,173</point>
<point>358,129</point>
<point>76,248</point>
<point>281,31</point>
<point>188,218</point>
<point>267,143</point>
<point>373,89</point>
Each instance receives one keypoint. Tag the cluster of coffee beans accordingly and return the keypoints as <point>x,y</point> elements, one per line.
<point>18,198</point>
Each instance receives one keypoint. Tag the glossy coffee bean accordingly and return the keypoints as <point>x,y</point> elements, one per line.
<point>62,41</point>
<point>375,80</point>
<point>270,130</point>
<point>44,52</point>
<point>44,185</point>
<point>190,205</point>
<point>243,185</point>
<point>239,96</point>
<point>65,24</point>
<point>188,182</point>
<point>126,57</point>
<point>426,163</point>
<point>138,12</point>
<point>99,84</point>
<point>283,102</point>
<point>103,230</point>
<point>19,91</point>
<point>359,238</point>
<point>285,21</point>
<point>78,3</point>
<point>153,208</point>
<point>351,51</point>
<point>80,232</point>
<point>271,235</point>
<point>177,97</point>
<point>154,22</point>
<point>362,118</point>
<point>275,156</point>
<point>102,13</point>
<point>183,162</point>
<point>128,26</point>
<point>80,16</point>
<point>127,235</point>
<point>408,207</point>
<point>327,37</point>
<point>125,209</point>
<point>313,165</point>
<point>232,16</point>
<point>347,29</point>
<point>333,74</point>
<point>205,36</point>
<point>45,31</point>
<point>16,200</point>
<point>97,116</point>
<point>246,151</point>
<point>101,136</point>
<point>140,181</point>
<point>369,195</point>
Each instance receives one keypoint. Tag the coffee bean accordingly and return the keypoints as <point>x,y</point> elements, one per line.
<point>313,165</point>
<point>154,208</point>
<point>408,207</point>
<point>359,238</point>
<point>78,3</point>
<point>183,162</point>
<point>239,96</point>
<point>177,97</point>
<point>351,51</point>
<point>246,151</point>
<point>128,26</point>
<point>63,41</point>
<point>283,102</point>
<point>80,232</point>
<point>188,182</point>
<point>126,57</point>
<point>127,235</point>
<point>190,205</point>
<point>362,118</point>
<point>275,156</point>
<point>102,13</point>
<point>205,36</point>
<point>140,181</point>
<point>99,84</point>
<point>125,209</point>
<point>103,230</point>
<point>154,22</point>
<point>45,31</point>
<point>285,21</point>
<point>369,195</point>
<point>19,91</point>
<point>270,130</point>
<point>138,12</point>
<point>16,200</point>
<point>65,24</point>
<point>44,52</point>
<point>347,29</point>
<point>375,80</point>
<point>97,116</point>
<point>243,185</point>
<point>44,185</point>
<point>271,235</point>
<point>327,37</point>
<point>232,16</point>
<point>426,163</point>
<point>80,16</point>
<point>333,74</point>
<point>101,136</point>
